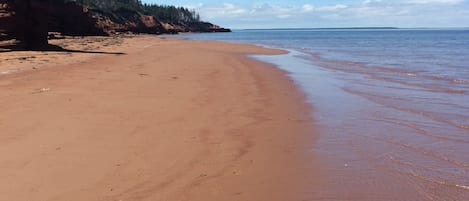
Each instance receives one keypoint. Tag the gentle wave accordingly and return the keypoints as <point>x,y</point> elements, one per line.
<point>393,107</point>
<point>383,73</point>
<point>430,115</point>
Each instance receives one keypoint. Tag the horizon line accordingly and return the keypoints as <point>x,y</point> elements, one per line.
<point>332,28</point>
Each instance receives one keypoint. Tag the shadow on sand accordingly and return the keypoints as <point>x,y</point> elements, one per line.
<point>51,48</point>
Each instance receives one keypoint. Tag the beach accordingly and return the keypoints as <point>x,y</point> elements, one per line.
<point>152,118</point>
<point>391,107</point>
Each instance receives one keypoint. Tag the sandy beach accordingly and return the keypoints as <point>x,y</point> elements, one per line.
<point>157,119</point>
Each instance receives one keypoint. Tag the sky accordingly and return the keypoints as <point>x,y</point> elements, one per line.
<point>253,14</point>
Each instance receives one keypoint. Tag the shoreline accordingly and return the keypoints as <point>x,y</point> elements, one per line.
<point>148,125</point>
<point>385,131</point>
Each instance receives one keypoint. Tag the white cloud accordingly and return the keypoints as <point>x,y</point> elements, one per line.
<point>332,7</point>
<point>283,16</point>
<point>402,13</point>
<point>229,8</point>
<point>436,1</point>
<point>307,8</point>
<point>370,1</point>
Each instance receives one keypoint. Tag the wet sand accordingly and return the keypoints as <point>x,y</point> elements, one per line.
<point>168,120</point>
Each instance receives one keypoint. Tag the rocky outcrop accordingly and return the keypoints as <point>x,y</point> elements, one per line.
<point>6,22</point>
<point>193,27</point>
<point>124,20</point>
<point>25,21</point>
<point>70,18</point>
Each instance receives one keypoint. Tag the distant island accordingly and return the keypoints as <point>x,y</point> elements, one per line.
<point>30,21</point>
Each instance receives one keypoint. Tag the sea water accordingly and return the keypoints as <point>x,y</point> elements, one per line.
<point>392,105</point>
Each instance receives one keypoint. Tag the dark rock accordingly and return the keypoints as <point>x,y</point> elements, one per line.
<point>29,21</point>
<point>74,20</point>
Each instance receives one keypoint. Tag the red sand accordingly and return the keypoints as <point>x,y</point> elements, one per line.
<point>169,120</point>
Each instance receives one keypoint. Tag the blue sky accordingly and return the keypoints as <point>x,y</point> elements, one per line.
<point>243,14</point>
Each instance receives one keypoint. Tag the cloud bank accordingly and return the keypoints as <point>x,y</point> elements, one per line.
<point>396,13</point>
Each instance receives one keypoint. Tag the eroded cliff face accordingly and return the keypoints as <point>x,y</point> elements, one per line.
<point>73,19</point>
<point>130,21</point>
<point>25,21</point>
<point>70,18</point>
<point>6,22</point>
<point>125,21</point>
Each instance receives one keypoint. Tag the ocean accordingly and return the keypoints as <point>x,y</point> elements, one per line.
<point>392,107</point>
